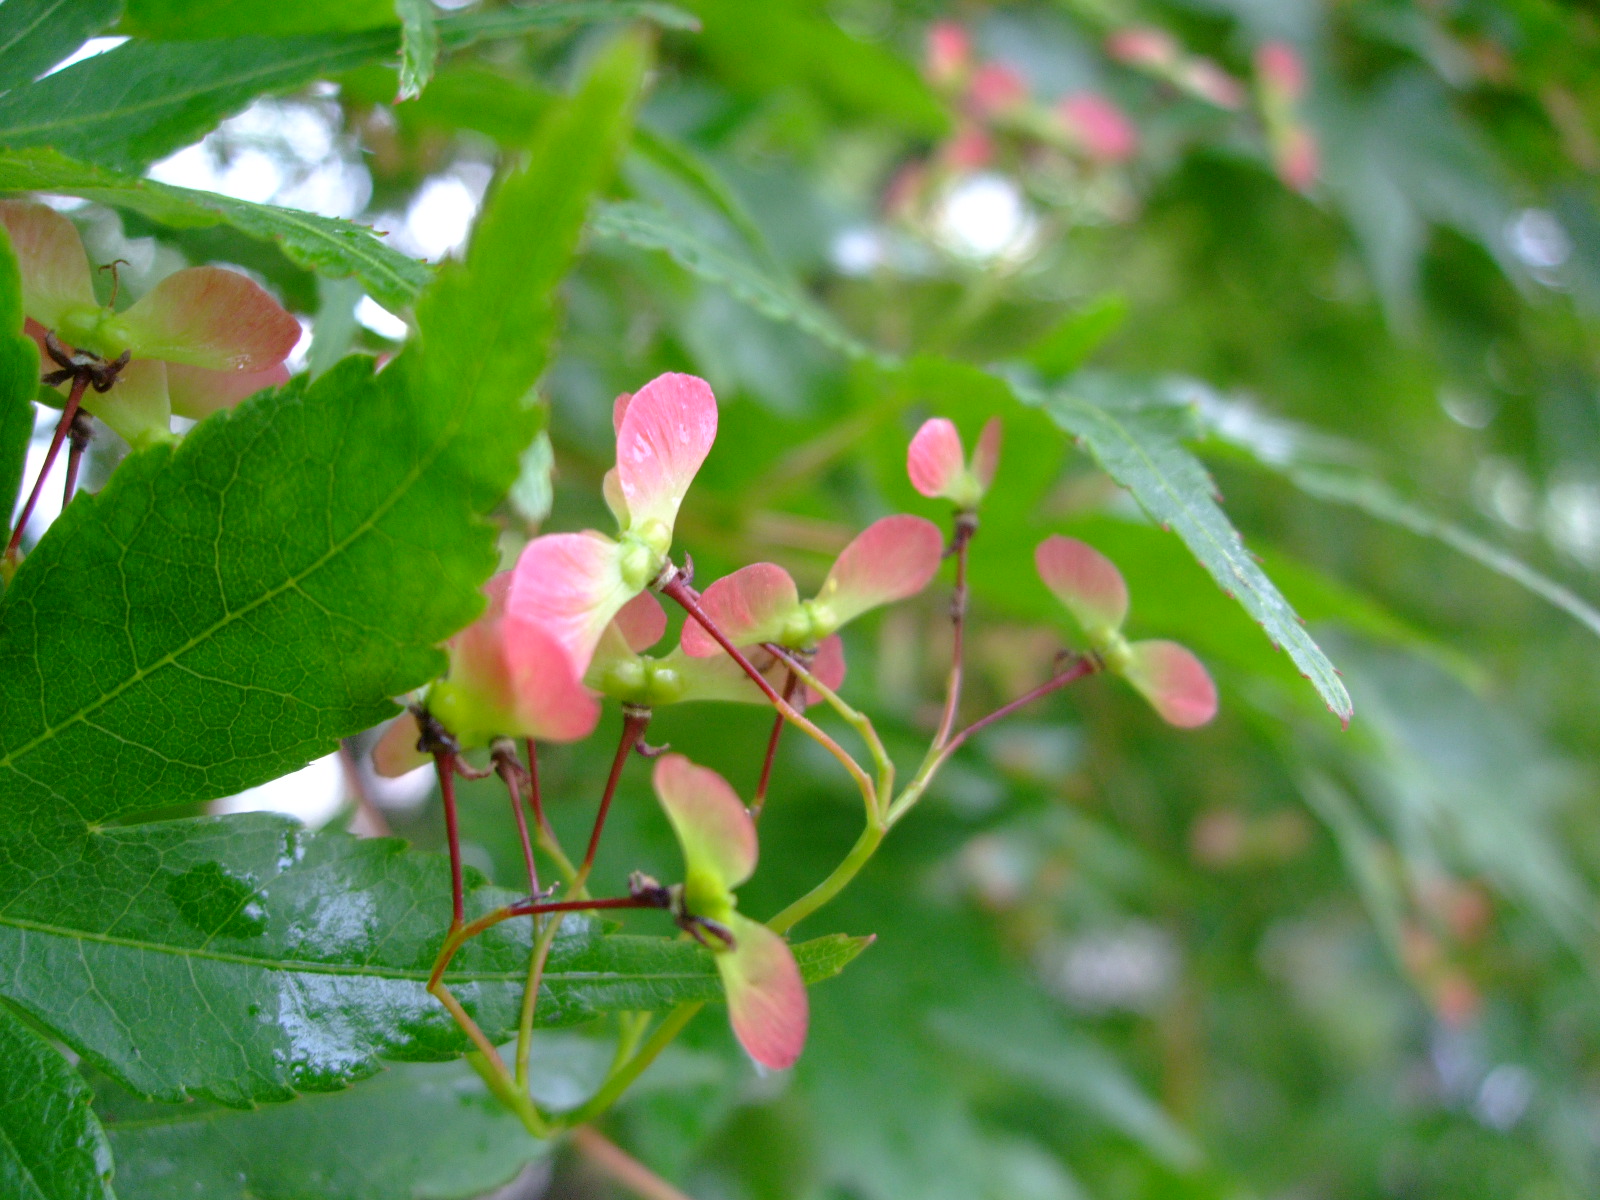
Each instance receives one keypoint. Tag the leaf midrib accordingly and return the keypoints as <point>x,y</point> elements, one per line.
<point>314,967</point>
<point>290,584</point>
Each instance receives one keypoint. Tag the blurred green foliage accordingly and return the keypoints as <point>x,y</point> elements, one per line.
<point>1267,958</point>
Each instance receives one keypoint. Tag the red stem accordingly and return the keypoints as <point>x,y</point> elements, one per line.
<point>79,385</point>
<point>634,723</point>
<point>1081,666</point>
<point>506,767</point>
<point>757,804</point>
<point>560,906</point>
<point>535,801</point>
<point>965,526</point>
<point>444,763</point>
<point>676,589</point>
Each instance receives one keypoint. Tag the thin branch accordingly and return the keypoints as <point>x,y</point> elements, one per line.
<point>966,526</point>
<point>622,1167</point>
<point>634,723</point>
<point>791,681</point>
<point>677,589</point>
<point>80,384</point>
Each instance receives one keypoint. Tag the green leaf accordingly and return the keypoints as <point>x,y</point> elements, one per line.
<point>1067,345</point>
<point>286,961</point>
<point>223,612</point>
<point>652,229</point>
<point>1337,472</point>
<point>133,105</point>
<point>466,28</point>
<point>326,245</point>
<point>417,1132</point>
<point>19,380</point>
<point>781,45</point>
<point>1030,1047</point>
<point>140,102</point>
<point>187,20</point>
<point>37,34</point>
<point>51,1143</point>
<point>1136,438</point>
<point>419,46</point>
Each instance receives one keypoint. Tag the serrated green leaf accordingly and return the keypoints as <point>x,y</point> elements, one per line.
<point>223,612</point>
<point>419,46</point>
<point>651,229</point>
<point>51,1143</point>
<point>37,34</point>
<point>133,105</point>
<point>19,380</point>
<point>130,106</point>
<point>286,961</point>
<point>416,1132</point>
<point>1136,439</point>
<point>326,245</point>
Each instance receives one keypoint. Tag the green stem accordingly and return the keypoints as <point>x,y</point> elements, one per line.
<point>856,719</point>
<point>619,1080</point>
<point>866,846</point>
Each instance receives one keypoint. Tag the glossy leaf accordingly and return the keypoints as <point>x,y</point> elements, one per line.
<point>37,34</point>
<point>51,1144</point>
<point>416,1132</point>
<point>273,656</point>
<point>287,961</point>
<point>327,245</point>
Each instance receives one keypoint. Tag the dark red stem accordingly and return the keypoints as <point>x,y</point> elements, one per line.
<point>757,804</point>
<point>560,906</point>
<point>1081,666</point>
<point>510,772</point>
<point>634,722</point>
<point>535,800</point>
<point>676,589</point>
<point>79,385</point>
<point>966,526</point>
<point>445,764</point>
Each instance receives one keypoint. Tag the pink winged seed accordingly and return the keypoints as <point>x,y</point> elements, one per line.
<point>51,259</point>
<point>641,622</point>
<point>712,825</point>
<point>664,435</point>
<point>197,393</point>
<point>986,456</point>
<point>572,585</point>
<point>1174,681</point>
<point>396,753</point>
<point>889,560</point>
<point>1084,580</point>
<point>749,606</point>
<point>767,1003</point>
<point>935,459</point>
<point>212,318</point>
